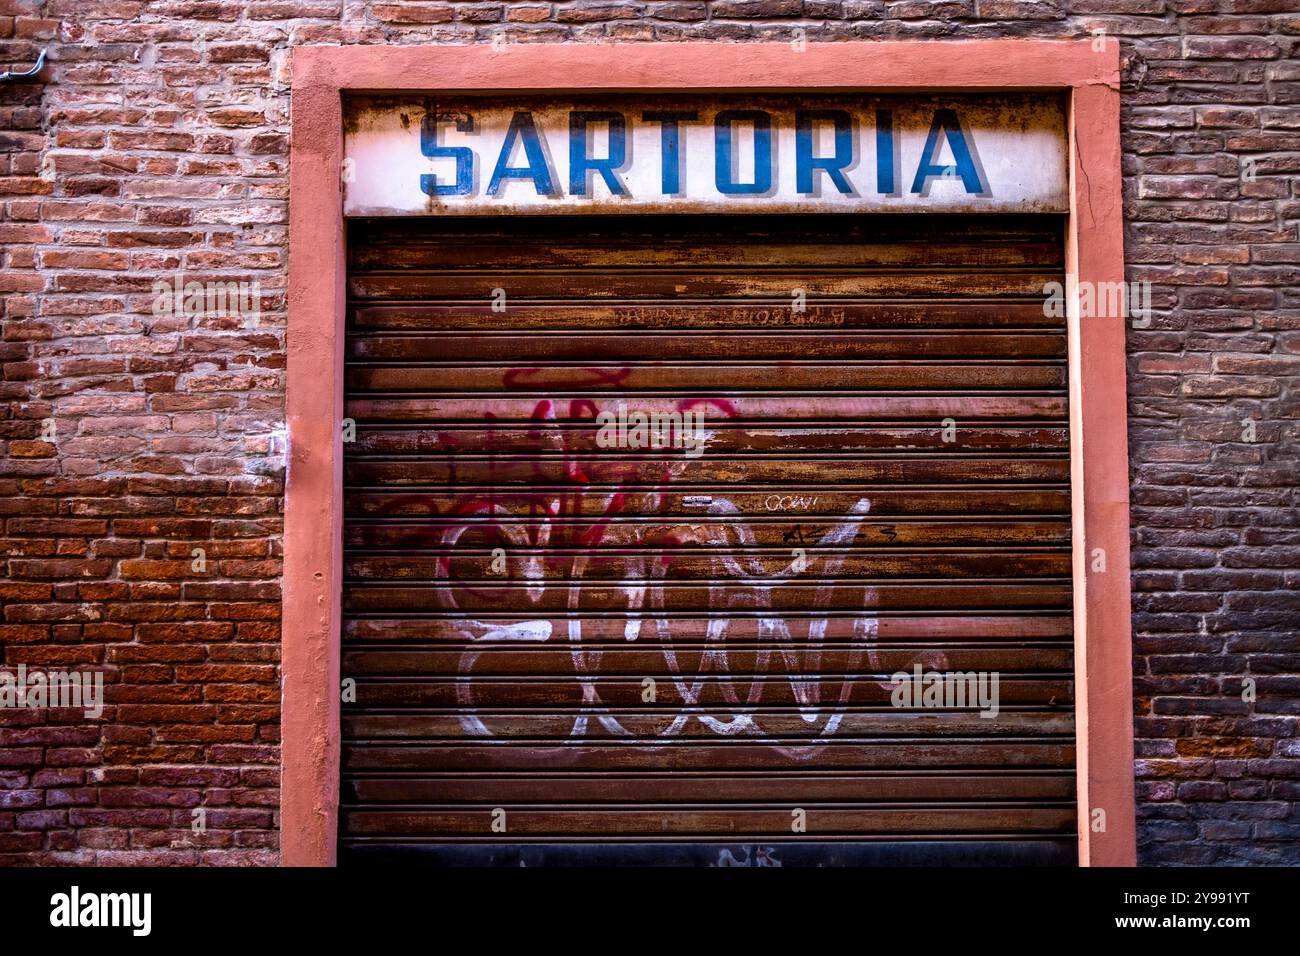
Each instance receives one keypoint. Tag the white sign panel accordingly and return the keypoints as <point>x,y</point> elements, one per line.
<point>465,155</point>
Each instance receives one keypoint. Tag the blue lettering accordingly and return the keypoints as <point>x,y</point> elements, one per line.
<point>722,136</point>
<point>945,121</point>
<point>806,163</point>
<point>885,152</point>
<point>522,127</point>
<point>670,145</point>
<point>463,155</point>
<point>580,164</point>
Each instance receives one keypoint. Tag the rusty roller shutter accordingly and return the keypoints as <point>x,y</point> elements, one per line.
<point>570,651</point>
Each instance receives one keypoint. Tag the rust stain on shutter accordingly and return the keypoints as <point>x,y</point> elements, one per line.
<point>561,644</point>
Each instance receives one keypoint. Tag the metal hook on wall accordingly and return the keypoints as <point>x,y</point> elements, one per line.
<point>40,63</point>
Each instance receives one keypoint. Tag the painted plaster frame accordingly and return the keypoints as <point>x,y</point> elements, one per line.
<point>1098,410</point>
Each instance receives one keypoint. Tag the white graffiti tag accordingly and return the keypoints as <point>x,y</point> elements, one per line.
<point>788,644</point>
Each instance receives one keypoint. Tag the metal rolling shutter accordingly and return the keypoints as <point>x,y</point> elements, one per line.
<point>523,691</point>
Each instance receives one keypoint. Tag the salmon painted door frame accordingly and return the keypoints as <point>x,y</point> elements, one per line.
<point>1087,70</point>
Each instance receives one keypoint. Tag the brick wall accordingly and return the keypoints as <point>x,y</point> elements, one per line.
<point>160,144</point>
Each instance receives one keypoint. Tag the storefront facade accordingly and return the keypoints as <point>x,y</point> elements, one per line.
<point>354,588</point>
